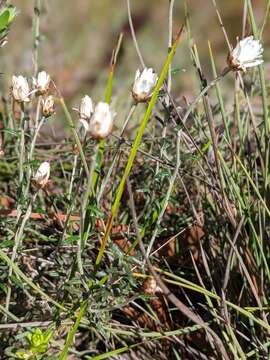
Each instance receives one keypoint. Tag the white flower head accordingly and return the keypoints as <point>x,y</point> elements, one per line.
<point>101,122</point>
<point>42,175</point>
<point>247,53</point>
<point>42,82</point>
<point>48,106</point>
<point>20,88</point>
<point>144,84</point>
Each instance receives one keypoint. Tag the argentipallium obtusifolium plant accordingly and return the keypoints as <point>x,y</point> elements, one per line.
<point>96,120</point>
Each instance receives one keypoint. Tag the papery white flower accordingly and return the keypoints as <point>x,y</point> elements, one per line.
<point>101,122</point>
<point>42,82</point>
<point>144,84</point>
<point>86,108</point>
<point>42,175</point>
<point>20,88</point>
<point>247,53</point>
<point>86,111</point>
<point>48,106</point>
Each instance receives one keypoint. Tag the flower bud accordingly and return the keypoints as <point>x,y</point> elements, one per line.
<point>42,175</point>
<point>101,122</point>
<point>247,53</point>
<point>144,84</point>
<point>48,106</point>
<point>20,89</point>
<point>86,108</point>
<point>42,82</point>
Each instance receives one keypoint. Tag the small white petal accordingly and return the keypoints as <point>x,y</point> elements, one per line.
<point>144,84</point>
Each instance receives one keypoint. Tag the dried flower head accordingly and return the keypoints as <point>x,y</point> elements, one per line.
<point>144,84</point>
<point>42,175</point>
<point>42,82</point>
<point>48,106</point>
<point>101,122</point>
<point>151,287</point>
<point>20,88</point>
<point>247,53</point>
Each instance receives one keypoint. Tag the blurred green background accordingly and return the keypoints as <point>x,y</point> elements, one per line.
<point>77,38</point>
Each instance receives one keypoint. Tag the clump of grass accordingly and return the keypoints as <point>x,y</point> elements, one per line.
<point>146,241</point>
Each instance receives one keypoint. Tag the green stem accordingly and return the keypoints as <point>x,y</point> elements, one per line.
<point>75,135</point>
<point>73,331</point>
<point>134,149</point>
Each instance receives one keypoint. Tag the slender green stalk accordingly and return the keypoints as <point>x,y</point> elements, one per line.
<point>75,134</point>
<point>252,184</point>
<point>93,177</point>
<point>22,147</point>
<point>136,45</point>
<point>101,148</point>
<point>17,243</point>
<point>117,152</point>
<point>8,314</point>
<point>168,194</point>
<point>73,331</point>
<point>170,41</point>
<point>219,95</point>
<point>266,118</point>
<point>84,229</point>
<point>134,150</point>
<point>266,15</point>
<point>31,152</point>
